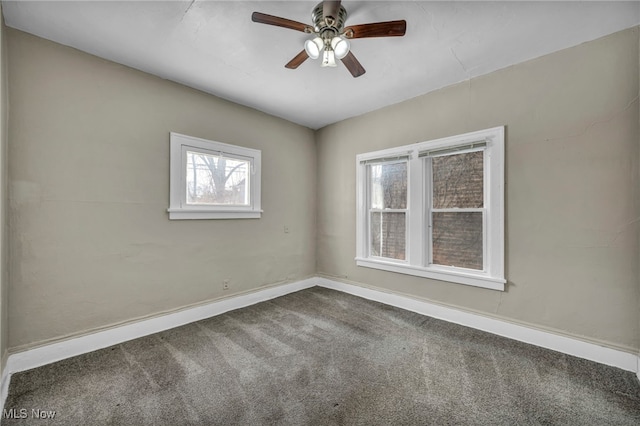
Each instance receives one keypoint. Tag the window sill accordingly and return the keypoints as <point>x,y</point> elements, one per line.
<point>181,214</point>
<point>471,279</point>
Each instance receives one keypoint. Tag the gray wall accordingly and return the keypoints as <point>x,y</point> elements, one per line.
<point>91,244</point>
<point>571,175</point>
<point>4,240</point>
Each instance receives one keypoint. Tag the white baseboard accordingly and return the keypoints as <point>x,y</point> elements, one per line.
<point>568,345</point>
<point>53,352</point>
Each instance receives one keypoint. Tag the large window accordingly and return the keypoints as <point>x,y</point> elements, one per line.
<point>213,180</point>
<point>435,209</point>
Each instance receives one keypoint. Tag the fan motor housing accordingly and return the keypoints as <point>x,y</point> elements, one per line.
<point>321,25</point>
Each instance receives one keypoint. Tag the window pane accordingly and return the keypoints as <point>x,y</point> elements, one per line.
<point>388,235</point>
<point>457,239</point>
<point>458,181</point>
<point>389,186</point>
<point>213,179</point>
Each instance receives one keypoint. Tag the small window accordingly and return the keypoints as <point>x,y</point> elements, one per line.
<point>213,180</point>
<point>435,209</point>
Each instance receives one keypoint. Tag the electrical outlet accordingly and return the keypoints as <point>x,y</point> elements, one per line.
<point>286,229</point>
<point>225,284</point>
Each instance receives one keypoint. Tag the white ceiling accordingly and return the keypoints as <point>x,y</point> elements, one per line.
<point>215,47</point>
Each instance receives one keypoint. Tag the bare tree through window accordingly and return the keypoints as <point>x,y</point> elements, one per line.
<point>216,179</point>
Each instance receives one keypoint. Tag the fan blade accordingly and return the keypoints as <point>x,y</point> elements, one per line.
<point>263,18</point>
<point>353,65</point>
<point>330,8</point>
<point>299,59</point>
<point>377,29</point>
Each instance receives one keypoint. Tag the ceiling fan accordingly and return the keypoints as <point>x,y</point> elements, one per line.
<point>330,36</point>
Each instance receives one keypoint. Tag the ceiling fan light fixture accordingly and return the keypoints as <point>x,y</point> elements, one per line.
<point>313,47</point>
<point>328,58</point>
<point>340,46</point>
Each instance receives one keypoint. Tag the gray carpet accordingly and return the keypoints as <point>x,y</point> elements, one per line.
<point>321,357</point>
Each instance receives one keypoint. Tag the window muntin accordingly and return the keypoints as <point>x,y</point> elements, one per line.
<point>213,180</point>
<point>453,213</point>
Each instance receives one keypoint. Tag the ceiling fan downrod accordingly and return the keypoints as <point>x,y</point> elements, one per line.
<point>321,22</point>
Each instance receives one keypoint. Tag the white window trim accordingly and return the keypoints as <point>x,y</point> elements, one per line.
<point>178,208</point>
<point>416,251</point>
